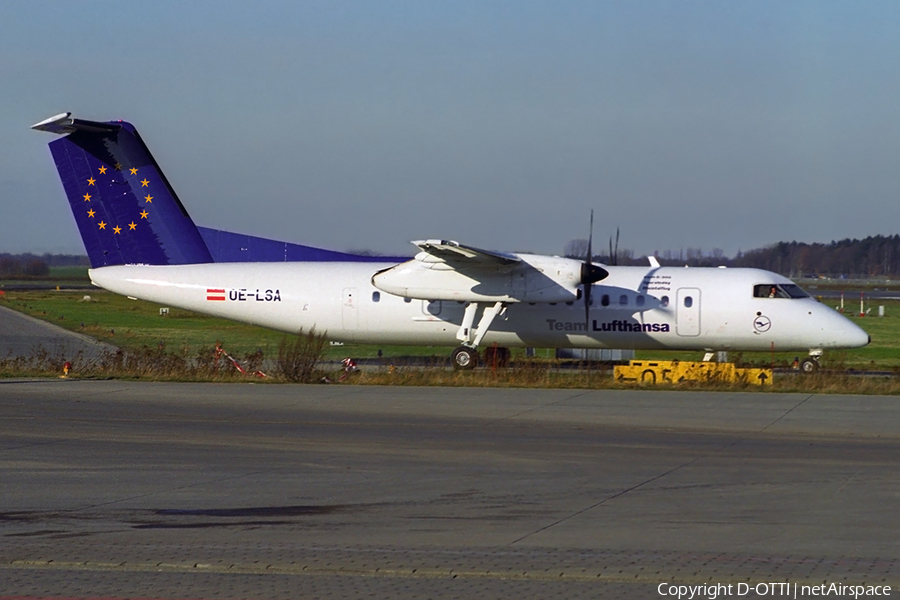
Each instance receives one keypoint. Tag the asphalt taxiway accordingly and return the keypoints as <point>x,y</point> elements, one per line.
<point>158,490</point>
<point>24,336</point>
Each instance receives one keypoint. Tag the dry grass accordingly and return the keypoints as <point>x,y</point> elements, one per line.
<point>300,361</point>
<point>298,358</point>
<point>145,363</point>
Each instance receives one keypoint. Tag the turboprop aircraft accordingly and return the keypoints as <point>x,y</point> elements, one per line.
<point>142,244</point>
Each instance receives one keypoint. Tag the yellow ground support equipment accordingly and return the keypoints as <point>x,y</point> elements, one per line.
<point>676,371</point>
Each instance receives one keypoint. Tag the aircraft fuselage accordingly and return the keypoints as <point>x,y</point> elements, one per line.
<point>634,307</point>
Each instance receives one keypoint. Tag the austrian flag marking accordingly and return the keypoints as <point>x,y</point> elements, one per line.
<point>217,294</point>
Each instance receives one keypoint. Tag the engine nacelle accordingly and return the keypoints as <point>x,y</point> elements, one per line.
<point>535,278</point>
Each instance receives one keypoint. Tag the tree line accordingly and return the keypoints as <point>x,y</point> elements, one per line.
<point>33,265</point>
<point>874,256</point>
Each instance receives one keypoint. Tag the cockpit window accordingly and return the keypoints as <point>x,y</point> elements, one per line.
<point>794,291</point>
<point>767,290</point>
<point>778,290</point>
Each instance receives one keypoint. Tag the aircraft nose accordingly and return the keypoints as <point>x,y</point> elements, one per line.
<point>854,336</point>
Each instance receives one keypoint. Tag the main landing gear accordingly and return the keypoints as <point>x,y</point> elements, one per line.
<point>466,356</point>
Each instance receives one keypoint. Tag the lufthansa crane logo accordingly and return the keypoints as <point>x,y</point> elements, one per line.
<point>762,324</point>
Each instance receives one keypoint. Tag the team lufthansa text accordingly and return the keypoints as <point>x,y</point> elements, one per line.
<point>617,325</point>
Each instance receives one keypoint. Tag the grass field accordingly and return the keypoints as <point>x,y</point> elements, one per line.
<point>134,324</point>
<point>70,274</point>
<point>62,277</point>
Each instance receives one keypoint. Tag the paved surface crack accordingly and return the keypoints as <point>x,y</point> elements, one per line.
<point>652,479</point>
<point>789,411</point>
<point>536,408</point>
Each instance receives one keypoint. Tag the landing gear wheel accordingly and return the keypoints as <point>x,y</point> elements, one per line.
<point>809,365</point>
<point>464,358</point>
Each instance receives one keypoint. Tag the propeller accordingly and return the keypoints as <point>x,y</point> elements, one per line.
<point>614,253</point>
<point>590,274</point>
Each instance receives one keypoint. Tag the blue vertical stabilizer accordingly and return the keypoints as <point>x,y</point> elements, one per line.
<point>126,211</point>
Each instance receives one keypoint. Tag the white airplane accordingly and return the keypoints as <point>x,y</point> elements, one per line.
<point>142,244</point>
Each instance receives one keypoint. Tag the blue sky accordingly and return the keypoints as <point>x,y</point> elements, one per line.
<point>366,125</point>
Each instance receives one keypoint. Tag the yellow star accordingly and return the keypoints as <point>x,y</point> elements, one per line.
<point>117,229</point>
<point>87,197</point>
<point>118,166</point>
<point>102,170</point>
<point>133,171</point>
<point>91,213</point>
<point>144,214</point>
<point>132,226</point>
<point>149,198</point>
<point>91,181</point>
<point>144,182</point>
<point>102,225</point>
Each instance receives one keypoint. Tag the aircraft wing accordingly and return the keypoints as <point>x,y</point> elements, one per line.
<point>448,270</point>
<point>463,256</point>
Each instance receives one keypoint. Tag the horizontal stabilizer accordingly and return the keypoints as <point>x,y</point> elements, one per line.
<point>64,124</point>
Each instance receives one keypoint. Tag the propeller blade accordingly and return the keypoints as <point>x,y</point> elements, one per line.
<point>616,255</point>
<point>590,251</point>
<point>590,274</point>
<point>585,274</point>
<point>587,307</point>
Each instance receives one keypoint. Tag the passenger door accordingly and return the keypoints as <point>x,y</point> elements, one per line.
<point>687,312</point>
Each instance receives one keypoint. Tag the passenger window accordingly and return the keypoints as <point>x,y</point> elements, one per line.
<point>376,296</point>
<point>664,301</point>
<point>688,302</point>
<point>623,300</point>
<point>604,300</point>
<point>639,300</point>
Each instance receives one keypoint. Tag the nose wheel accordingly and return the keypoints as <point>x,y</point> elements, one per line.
<point>464,358</point>
<point>809,365</point>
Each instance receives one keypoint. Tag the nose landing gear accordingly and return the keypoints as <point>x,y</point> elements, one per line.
<point>809,365</point>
